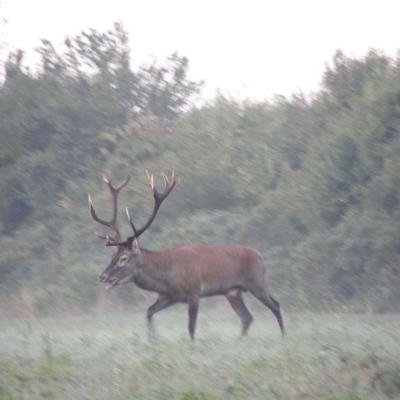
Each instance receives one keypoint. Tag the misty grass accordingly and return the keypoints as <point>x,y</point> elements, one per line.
<point>110,357</point>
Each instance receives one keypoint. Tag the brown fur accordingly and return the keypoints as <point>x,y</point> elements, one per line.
<point>187,273</point>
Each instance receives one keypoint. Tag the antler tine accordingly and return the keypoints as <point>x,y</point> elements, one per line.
<point>93,213</point>
<point>106,178</point>
<point>112,224</point>
<point>123,184</point>
<point>150,178</point>
<point>130,220</point>
<point>109,240</point>
<point>169,185</point>
<point>159,197</point>
<point>165,177</point>
<point>100,236</point>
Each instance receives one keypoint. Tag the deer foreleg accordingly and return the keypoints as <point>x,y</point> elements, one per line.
<point>161,303</point>
<point>193,303</point>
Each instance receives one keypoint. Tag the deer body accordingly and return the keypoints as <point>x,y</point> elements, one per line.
<point>186,273</point>
<point>203,270</point>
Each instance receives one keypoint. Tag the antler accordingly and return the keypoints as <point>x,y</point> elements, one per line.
<point>110,240</point>
<point>159,197</point>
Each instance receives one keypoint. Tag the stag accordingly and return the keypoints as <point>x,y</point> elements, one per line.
<point>186,273</point>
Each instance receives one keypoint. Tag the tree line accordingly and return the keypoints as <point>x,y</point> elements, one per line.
<point>311,181</point>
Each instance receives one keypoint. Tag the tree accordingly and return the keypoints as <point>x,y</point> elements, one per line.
<point>166,89</point>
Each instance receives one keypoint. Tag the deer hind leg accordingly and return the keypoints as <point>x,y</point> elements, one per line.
<point>160,304</point>
<point>236,301</point>
<point>271,303</point>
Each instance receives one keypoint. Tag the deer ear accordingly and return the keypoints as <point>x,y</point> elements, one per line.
<point>135,246</point>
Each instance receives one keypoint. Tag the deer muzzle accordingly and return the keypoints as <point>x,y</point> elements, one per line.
<point>109,282</point>
<point>103,277</point>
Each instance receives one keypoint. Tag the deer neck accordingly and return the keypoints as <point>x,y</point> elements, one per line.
<point>153,273</point>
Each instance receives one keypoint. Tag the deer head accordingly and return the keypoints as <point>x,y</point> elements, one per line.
<point>128,256</point>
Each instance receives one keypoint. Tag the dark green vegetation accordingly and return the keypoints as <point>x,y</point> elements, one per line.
<point>339,357</point>
<point>313,183</point>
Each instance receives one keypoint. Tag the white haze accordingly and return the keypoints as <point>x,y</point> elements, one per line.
<point>248,49</point>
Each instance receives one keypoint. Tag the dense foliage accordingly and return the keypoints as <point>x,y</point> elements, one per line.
<point>312,182</point>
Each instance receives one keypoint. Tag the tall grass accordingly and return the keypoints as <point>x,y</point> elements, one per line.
<point>111,357</point>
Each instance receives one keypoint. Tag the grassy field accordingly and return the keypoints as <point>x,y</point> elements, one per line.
<point>110,357</point>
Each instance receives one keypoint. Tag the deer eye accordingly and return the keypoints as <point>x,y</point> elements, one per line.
<point>123,259</point>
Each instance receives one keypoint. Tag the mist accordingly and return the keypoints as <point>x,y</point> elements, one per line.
<point>309,181</point>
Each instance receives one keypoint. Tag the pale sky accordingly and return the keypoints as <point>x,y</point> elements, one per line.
<point>246,48</point>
